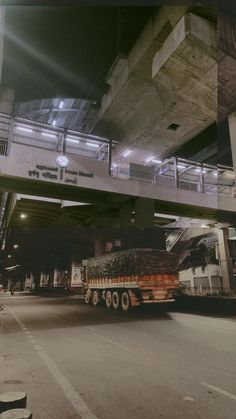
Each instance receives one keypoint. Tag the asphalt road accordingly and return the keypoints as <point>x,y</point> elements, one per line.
<point>78,361</point>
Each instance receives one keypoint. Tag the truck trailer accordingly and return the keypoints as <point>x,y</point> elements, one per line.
<point>130,278</point>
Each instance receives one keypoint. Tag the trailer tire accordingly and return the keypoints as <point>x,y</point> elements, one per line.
<point>115,300</point>
<point>125,301</point>
<point>95,298</point>
<point>108,299</point>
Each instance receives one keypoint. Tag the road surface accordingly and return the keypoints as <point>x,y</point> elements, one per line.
<point>78,361</point>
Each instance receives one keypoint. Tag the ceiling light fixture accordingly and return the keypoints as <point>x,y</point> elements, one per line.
<point>95,145</point>
<point>48,134</point>
<point>156,161</point>
<point>25,129</point>
<point>23,216</point>
<point>72,140</point>
<point>126,153</point>
<point>149,159</point>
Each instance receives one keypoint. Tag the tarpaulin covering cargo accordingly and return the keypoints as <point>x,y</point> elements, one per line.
<point>131,262</point>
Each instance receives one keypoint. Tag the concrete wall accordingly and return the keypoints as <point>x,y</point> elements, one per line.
<point>187,276</point>
<point>232,130</point>
<point>2,13</point>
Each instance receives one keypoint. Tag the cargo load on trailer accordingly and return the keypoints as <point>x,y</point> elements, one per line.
<point>130,278</point>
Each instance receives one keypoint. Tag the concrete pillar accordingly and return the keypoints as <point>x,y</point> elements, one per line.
<point>99,247</point>
<point>144,212</point>
<point>2,15</point>
<point>232,130</point>
<point>6,100</point>
<point>126,214</point>
<point>225,260</point>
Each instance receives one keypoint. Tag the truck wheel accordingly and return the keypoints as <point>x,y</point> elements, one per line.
<point>87,296</point>
<point>125,302</point>
<point>108,299</point>
<point>115,300</point>
<point>95,298</point>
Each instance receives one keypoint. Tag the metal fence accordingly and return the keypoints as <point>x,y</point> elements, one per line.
<point>206,292</point>
<point>175,173</point>
<point>183,174</point>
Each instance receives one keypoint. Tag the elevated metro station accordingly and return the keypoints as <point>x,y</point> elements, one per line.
<point>143,156</point>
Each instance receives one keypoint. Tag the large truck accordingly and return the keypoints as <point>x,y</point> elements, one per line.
<point>130,278</point>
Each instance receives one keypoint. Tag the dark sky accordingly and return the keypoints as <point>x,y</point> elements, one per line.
<point>66,51</point>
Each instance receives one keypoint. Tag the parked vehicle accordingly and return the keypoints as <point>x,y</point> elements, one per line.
<point>130,278</point>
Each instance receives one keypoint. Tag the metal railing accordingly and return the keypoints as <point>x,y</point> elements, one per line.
<point>36,134</point>
<point>178,173</point>
<point>3,148</point>
<point>206,292</point>
<point>175,173</point>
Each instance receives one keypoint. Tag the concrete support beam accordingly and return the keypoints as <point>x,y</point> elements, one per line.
<point>232,130</point>
<point>99,247</point>
<point>226,28</point>
<point>126,215</point>
<point>226,263</point>
<point>2,16</point>
<point>144,212</point>
<point>6,99</point>
<point>163,92</point>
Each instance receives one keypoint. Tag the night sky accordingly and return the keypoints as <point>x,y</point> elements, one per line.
<point>66,51</point>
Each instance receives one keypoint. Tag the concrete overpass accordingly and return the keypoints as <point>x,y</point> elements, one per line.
<point>164,92</point>
<point>160,95</point>
<point>172,186</point>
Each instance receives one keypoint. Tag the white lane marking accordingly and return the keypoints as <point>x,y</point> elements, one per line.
<point>37,346</point>
<point>112,342</point>
<point>72,395</point>
<point>219,390</point>
<point>188,398</point>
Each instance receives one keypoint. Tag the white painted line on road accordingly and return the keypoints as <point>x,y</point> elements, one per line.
<point>188,398</point>
<point>219,390</point>
<point>72,395</point>
<point>37,347</point>
<point>112,342</point>
<point>33,341</point>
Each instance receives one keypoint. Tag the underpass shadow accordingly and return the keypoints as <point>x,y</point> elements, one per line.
<point>50,312</point>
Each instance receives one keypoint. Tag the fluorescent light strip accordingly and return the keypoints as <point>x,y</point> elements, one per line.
<point>149,159</point>
<point>126,153</point>
<point>95,145</point>
<point>20,128</point>
<point>47,134</point>
<point>72,140</point>
<point>156,161</point>
<point>204,171</point>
